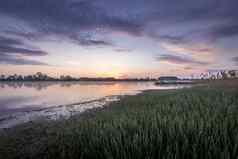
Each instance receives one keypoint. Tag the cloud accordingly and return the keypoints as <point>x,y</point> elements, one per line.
<point>89,41</point>
<point>21,51</point>
<point>179,60</point>
<point>15,46</point>
<point>66,18</point>
<point>235,60</point>
<point>183,22</point>
<point>9,41</point>
<point>123,50</point>
<point>224,31</point>
<point>190,22</point>
<point>12,51</point>
<point>11,60</point>
<point>171,39</point>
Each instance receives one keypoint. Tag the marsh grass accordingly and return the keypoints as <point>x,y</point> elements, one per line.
<point>190,123</point>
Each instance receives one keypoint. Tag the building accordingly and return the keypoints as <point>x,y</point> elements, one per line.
<point>171,80</point>
<point>167,80</point>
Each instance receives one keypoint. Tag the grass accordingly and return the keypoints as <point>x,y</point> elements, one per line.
<point>190,123</point>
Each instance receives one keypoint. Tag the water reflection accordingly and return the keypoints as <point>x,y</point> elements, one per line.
<point>43,85</point>
<point>25,101</point>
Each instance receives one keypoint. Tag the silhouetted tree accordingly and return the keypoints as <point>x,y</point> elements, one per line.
<point>224,75</point>
<point>2,77</point>
<point>232,73</point>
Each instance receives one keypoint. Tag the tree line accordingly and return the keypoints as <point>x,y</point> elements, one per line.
<point>224,74</point>
<point>44,77</point>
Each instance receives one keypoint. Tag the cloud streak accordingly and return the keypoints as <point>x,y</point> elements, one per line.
<point>12,51</point>
<point>179,60</point>
<point>11,60</point>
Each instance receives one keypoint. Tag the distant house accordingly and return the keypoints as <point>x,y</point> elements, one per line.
<point>172,80</point>
<point>168,78</point>
<point>232,73</point>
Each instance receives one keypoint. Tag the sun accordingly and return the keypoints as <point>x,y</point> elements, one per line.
<point>109,72</point>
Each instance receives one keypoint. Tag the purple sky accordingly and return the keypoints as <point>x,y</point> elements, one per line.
<point>126,38</point>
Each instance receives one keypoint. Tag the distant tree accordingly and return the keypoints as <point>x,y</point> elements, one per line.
<point>213,77</point>
<point>2,77</point>
<point>202,76</point>
<point>29,78</point>
<point>218,75</point>
<point>232,73</point>
<point>62,77</point>
<point>224,75</point>
<point>19,78</point>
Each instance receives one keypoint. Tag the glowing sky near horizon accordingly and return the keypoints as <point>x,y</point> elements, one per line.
<point>136,38</point>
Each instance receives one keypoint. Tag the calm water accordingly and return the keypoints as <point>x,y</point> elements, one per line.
<point>25,101</point>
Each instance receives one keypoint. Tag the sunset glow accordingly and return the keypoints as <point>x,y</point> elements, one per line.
<point>117,38</point>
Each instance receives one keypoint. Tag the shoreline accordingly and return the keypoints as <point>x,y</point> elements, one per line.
<point>54,113</point>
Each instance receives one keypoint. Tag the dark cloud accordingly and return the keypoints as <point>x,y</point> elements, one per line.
<point>171,38</point>
<point>20,51</point>
<point>12,60</point>
<point>12,51</point>
<point>123,50</point>
<point>87,41</point>
<point>235,60</point>
<point>95,42</point>
<point>210,34</point>
<point>66,17</point>
<point>9,41</point>
<point>16,46</point>
<point>224,31</point>
<point>191,22</point>
<point>179,60</point>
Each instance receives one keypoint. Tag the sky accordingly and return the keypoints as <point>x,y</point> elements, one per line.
<point>118,38</point>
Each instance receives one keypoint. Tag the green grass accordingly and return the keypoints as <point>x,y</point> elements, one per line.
<point>191,123</point>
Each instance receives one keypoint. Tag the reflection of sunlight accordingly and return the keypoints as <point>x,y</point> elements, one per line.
<point>114,88</point>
